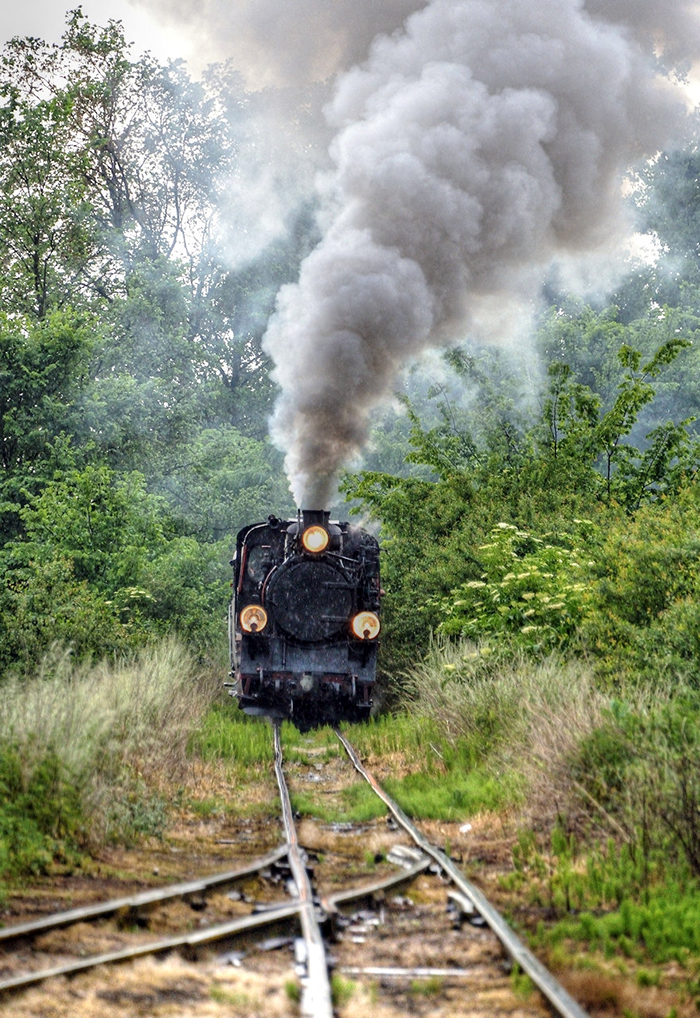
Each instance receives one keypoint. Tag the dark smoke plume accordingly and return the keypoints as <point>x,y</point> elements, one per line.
<point>473,147</point>
<point>477,141</point>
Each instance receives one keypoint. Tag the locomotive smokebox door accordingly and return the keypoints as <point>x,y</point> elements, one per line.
<point>305,618</point>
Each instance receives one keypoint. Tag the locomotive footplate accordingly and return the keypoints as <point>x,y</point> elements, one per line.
<point>306,698</point>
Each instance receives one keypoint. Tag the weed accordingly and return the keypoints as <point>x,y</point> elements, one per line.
<point>207,807</point>
<point>370,861</point>
<point>293,990</point>
<point>135,811</point>
<point>221,996</point>
<point>341,989</point>
<point>664,928</point>
<point>431,987</point>
<point>229,734</point>
<point>523,986</point>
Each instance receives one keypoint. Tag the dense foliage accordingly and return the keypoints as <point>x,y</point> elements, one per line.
<point>570,525</point>
<point>133,389</point>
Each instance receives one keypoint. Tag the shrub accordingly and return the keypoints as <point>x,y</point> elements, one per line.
<point>643,765</point>
<point>79,744</point>
<point>642,620</point>
<point>532,589</point>
<point>40,812</point>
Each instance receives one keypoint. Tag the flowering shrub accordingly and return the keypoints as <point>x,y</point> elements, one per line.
<point>532,589</point>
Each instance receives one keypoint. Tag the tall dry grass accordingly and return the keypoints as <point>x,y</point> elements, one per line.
<point>102,720</point>
<point>519,714</point>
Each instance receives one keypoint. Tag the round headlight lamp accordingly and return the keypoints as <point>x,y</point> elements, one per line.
<point>253,618</point>
<point>315,539</point>
<point>366,626</point>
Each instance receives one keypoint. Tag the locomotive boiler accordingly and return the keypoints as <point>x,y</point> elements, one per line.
<point>304,619</point>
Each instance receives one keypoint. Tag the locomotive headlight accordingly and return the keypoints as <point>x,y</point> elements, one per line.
<point>253,618</point>
<point>315,539</point>
<point>366,626</point>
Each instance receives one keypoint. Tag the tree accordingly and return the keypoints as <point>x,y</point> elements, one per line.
<point>43,369</point>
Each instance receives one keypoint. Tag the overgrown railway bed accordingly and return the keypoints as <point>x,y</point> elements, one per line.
<point>263,937</point>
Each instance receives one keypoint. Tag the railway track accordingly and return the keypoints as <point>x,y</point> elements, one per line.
<point>322,920</point>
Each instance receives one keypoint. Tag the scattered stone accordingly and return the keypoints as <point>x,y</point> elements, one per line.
<point>276,943</point>
<point>234,958</point>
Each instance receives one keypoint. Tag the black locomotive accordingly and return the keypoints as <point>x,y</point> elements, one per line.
<point>304,619</point>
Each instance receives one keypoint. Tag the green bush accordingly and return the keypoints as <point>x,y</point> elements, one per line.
<point>643,766</point>
<point>102,569</point>
<point>532,589</point>
<point>642,620</point>
<point>41,812</point>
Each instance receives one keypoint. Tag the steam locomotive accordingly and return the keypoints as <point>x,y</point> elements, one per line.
<point>304,619</point>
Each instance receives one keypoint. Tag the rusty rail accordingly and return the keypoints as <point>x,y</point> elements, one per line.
<point>316,988</point>
<point>280,912</point>
<point>555,993</point>
<point>134,901</point>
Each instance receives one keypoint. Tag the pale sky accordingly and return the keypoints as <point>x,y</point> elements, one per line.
<point>46,19</point>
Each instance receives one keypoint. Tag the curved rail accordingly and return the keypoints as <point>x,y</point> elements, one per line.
<point>134,901</point>
<point>316,990</point>
<point>278,913</point>
<point>555,993</point>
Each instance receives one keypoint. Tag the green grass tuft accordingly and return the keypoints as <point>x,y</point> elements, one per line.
<point>341,989</point>
<point>81,746</point>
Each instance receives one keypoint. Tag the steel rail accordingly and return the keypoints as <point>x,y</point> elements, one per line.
<point>316,988</point>
<point>555,993</point>
<point>331,902</point>
<point>388,972</point>
<point>282,911</point>
<point>103,908</point>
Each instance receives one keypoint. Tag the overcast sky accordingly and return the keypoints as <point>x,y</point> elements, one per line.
<point>46,19</point>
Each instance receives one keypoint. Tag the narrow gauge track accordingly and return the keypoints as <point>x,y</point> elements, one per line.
<point>555,993</point>
<point>303,910</point>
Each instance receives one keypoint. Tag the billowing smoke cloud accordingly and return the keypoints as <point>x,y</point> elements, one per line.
<point>473,142</point>
<point>284,44</point>
<point>673,27</point>
<point>471,149</point>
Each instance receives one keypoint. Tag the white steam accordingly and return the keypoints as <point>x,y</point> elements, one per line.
<point>471,148</point>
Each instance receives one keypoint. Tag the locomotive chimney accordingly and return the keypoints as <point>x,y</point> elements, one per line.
<point>315,518</point>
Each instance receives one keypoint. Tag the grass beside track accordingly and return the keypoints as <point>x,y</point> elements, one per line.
<point>84,747</point>
<point>430,777</point>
